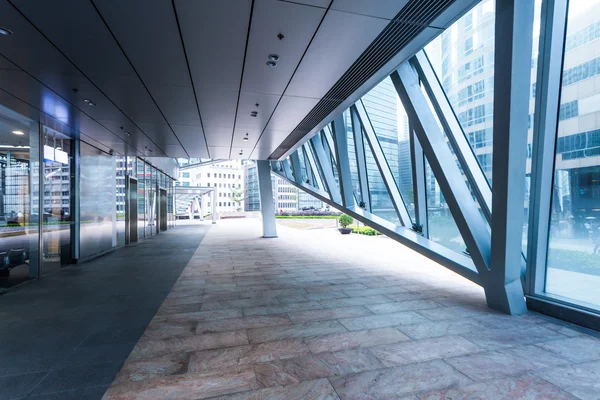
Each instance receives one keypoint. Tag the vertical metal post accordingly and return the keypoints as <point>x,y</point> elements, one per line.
<point>512,70</point>
<point>340,143</point>
<point>382,165</point>
<point>361,160</point>
<point>324,162</point>
<point>296,169</point>
<point>419,181</point>
<point>41,197</point>
<point>313,167</point>
<point>553,26</point>
<point>267,207</point>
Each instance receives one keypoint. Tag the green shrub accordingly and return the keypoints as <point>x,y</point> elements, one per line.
<point>364,230</point>
<point>305,216</point>
<point>345,220</point>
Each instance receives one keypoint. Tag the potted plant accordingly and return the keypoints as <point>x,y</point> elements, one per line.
<point>345,220</point>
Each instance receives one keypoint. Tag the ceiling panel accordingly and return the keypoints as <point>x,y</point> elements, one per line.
<point>216,136</point>
<point>331,52</point>
<point>271,139</point>
<point>314,3</point>
<point>290,112</point>
<point>5,64</point>
<point>147,31</point>
<point>386,9</point>
<point>297,23</point>
<point>248,101</point>
<point>221,152</point>
<point>90,46</point>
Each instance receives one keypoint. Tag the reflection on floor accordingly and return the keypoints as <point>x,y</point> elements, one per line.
<point>318,315</point>
<point>65,336</point>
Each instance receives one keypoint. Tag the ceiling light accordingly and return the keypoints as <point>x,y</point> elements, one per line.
<point>271,64</point>
<point>273,57</point>
<point>128,133</point>
<point>90,103</point>
<point>5,32</point>
<point>20,133</point>
<point>245,139</point>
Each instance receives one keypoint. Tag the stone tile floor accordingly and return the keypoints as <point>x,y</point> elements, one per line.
<point>317,315</point>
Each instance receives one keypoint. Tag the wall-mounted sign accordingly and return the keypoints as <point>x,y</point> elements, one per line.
<point>48,154</point>
<point>61,156</point>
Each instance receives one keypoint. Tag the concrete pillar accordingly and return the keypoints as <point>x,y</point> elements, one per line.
<point>214,206</point>
<point>267,208</point>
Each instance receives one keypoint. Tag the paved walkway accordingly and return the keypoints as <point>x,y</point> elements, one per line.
<point>317,315</point>
<point>66,336</point>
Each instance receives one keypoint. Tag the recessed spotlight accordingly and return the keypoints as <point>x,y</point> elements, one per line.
<point>271,64</point>
<point>19,133</point>
<point>273,57</point>
<point>128,133</point>
<point>245,139</point>
<point>90,103</point>
<point>5,32</point>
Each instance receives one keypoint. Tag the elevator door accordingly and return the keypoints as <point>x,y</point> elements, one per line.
<point>131,219</point>
<point>163,209</point>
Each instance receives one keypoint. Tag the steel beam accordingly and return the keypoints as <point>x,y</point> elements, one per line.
<point>454,132</point>
<point>450,259</point>
<point>512,71</point>
<point>419,182</point>
<point>296,168</point>
<point>340,144</point>
<point>267,207</point>
<point>553,26</point>
<point>313,167</point>
<point>466,214</point>
<point>324,162</point>
<point>361,160</point>
<point>382,164</point>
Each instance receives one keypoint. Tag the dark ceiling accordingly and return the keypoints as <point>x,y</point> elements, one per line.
<point>182,77</point>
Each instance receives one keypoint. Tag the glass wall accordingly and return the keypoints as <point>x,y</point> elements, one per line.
<point>58,183</point>
<point>19,198</point>
<point>573,266</point>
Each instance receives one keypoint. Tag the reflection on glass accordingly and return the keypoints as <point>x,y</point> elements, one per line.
<point>56,215</point>
<point>573,267</point>
<point>303,174</point>
<point>442,228</point>
<point>390,124</point>
<point>19,198</point>
<point>141,199</point>
<point>121,170</point>
<point>352,158</point>
<point>381,203</point>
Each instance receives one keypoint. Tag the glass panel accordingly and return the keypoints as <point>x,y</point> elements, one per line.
<point>141,199</point>
<point>352,157</point>
<point>19,198</point>
<point>390,124</point>
<point>56,215</point>
<point>381,203</point>
<point>573,268</point>
<point>442,228</point>
<point>463,59</point>
<point>97,198</point>
<point>121,171</point>
<point>302,163</point>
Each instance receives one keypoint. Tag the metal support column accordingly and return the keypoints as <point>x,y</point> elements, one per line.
<point>361,161</point>
<point>466,214</point>
<point>419,182</point>
<point>324,162</point>
<point>514,31</point>
<point>343,161</point>
<point>549,73</point>
<point>267,207</point>
<point>382,165</point>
